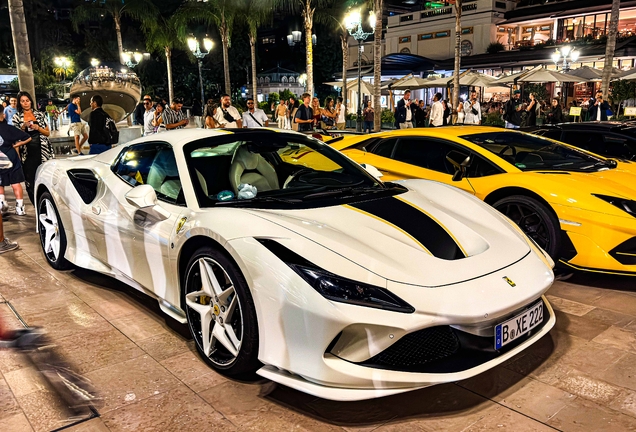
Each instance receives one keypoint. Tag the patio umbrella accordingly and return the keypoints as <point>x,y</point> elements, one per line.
<point>587,73</point>
<point>540,75</point>
<point>468,78</point>
<point>630,76</point>
<point>412,83</point>
<point>366,87</point>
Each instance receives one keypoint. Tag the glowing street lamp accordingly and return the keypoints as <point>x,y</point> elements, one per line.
<point>94,62</point>
<point>353,23</point>
<point>193,44</point>
<point>568,55</point>
<point>132,59</point>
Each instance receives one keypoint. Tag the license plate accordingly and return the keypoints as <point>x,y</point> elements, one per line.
<point>518,326</point>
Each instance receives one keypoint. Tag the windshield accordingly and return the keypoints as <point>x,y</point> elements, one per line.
<point>534,153</point>
<point>275,170</point>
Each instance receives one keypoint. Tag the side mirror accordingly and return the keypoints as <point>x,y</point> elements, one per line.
<point>460,167</point>
<point>144,198</point>
<point>372,170</point>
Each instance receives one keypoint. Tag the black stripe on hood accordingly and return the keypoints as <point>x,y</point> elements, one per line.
<point>415,223</point>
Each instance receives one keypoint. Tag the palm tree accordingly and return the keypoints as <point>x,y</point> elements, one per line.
<point>378,8</point>
<point>610,47</point>
<point>255,13</point>
<point>307,9</point>
<point>21,46</point>
<point>164,35</point>
<point>143,11</point>
<point>458,52</point>
<point>220,13</point>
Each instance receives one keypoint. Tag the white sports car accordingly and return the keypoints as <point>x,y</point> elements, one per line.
<point>288,259</point>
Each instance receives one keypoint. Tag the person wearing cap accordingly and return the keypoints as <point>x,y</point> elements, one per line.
<point>512,111</point>
<point>149,115</point>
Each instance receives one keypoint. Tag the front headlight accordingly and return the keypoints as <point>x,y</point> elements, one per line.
<point>348,291</point>
<point>627,205</point>
<point>337,288</point>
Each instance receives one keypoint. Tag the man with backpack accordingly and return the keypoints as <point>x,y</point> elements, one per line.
<point>103,132</point>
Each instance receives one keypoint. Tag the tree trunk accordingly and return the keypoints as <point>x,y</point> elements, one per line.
<point>21,47</point>
<point>378,8</point>
<point>226,60</point>
<point>120,44</point>
<point>253,50</point>
<point>458,53</point>
<point>610,47</point>
<point>308,14</point>
<point>344,40</point>
<point>169,66</point>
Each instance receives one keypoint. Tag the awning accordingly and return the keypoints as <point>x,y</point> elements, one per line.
<point>539,75</point>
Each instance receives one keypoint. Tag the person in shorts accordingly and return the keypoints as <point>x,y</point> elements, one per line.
<point>10,139</point>
<point>77,128</point>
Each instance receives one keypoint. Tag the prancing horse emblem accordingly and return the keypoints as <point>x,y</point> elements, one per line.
<point>510,282</point>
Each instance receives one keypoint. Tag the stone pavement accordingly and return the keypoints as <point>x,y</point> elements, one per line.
<point>581,377</point>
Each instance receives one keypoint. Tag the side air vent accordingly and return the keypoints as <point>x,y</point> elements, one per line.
<point>85,183</point>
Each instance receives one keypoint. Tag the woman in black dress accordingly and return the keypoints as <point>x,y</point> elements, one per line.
<point>39,149</point>
<point>556,114</point>
<point>532,109</point>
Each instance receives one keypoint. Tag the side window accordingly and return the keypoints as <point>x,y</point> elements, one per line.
<point>590,141</point>
<point>153,164</point>
<point>429,154</point>
<point>480,167</point>
<point>383,148</point>
<point>554,134</point>
<point>619,146</point>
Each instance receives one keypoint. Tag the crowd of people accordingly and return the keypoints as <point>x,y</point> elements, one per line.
<point>329,116</point>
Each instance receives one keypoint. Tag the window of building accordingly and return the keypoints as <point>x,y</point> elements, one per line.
<point>284,79</point>
<point>405,51</point>
<point>266,80</point>
<point>405,39</point>
<point>442,34</point>
<point>268,40</point>
<point>292,79</point>
<point>406,18</point>
<point>467,30</point>
<point>425,36</point>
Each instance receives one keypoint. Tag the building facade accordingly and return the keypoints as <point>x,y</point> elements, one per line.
<point>276,80</point>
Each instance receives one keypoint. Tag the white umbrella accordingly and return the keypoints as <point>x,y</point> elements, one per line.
<point>539,75</point>
<point>470,78</point>
<point>366,87</point>
<point>412,83</point>
<point>587,73</point>
<point>630,76</point>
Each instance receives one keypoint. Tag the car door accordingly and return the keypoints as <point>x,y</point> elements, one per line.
<point>135,242</point>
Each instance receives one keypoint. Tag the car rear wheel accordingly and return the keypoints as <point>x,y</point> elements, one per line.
<point>221,313</point>
<point>534,219</point>
<point>52,234</point>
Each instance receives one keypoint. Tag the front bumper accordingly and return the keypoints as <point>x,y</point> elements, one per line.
<point>593,240</point>
<point>299,330</point>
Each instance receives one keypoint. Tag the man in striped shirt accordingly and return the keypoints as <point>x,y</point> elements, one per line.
<point>174,117</point>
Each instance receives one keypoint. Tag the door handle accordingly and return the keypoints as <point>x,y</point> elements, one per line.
<point>96,209</point>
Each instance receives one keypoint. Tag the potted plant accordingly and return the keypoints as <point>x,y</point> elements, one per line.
<point>388,119</point>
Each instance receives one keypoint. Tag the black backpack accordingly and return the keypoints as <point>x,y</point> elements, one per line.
<point>110,131</point>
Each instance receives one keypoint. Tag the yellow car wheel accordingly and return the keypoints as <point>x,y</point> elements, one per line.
<point>534,219</point>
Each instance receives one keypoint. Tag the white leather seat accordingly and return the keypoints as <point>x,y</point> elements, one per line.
<point>252,168</point>
<point>163,175</point>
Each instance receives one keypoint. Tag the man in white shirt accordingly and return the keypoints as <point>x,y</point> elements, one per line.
<point>472,110</point>
<point>254,117</point>
<point>226,115</point>
<point>436,118</point>
<point>149,116</point>
<point>341,121</point>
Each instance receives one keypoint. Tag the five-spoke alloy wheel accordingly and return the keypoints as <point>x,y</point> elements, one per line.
<point>52,234</point>
<point>221,313</point>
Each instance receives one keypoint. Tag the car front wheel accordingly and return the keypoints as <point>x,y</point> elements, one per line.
<point>221,313</point>
<point>534,219</point>
<point>52,234</point>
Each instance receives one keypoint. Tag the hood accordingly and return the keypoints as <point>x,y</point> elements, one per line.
<point>432,235</point>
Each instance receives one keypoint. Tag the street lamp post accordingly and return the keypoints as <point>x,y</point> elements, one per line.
<point>569,56</point>
<point>353,23</point>
<point>132,59</point>
<point>63,63</point>
<point>194,46</point>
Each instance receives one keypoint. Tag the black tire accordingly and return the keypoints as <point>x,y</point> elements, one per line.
<point>245,363</point>
<point>535,219</point>
<point>59,262</point>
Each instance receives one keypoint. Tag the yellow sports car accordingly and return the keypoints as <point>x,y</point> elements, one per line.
<point>579,207</point>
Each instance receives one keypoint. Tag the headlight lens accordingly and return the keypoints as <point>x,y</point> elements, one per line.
<point>626,205</point>
<point>348,291</point>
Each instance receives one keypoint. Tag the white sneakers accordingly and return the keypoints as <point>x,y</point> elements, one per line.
<point>19,210</point>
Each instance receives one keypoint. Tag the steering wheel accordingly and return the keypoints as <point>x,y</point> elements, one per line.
<point>514,151</point>
<point>296,176</point>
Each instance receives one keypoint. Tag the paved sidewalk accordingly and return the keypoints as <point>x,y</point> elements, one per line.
<point>581,377</point>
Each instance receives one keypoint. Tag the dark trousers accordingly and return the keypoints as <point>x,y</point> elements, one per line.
<point>368,125</point>
<point>99,148</point>
<point>30,166</point>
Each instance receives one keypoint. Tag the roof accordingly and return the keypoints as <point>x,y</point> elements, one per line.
<point>398,64</point>
<point>278,70</point>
